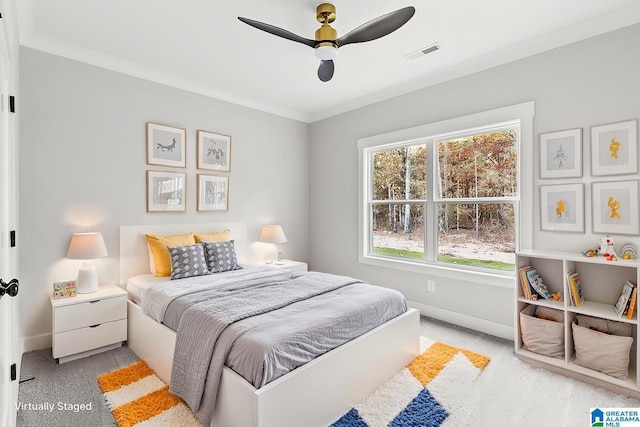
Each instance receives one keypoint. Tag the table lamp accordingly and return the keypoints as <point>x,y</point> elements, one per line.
<point>87,246</point>
<point>272,234</point>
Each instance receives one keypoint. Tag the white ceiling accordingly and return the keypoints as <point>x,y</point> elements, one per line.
<point>201,46</point>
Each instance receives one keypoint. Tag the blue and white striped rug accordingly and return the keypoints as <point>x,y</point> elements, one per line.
<point>424,393</point>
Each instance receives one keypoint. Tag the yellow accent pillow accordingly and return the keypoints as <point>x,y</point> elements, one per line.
<point>215,237</point>
<point>158,245</point>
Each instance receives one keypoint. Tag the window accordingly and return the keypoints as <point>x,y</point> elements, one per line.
<point>399,193</point>
<point>446,195</point>
<point>477,182</point>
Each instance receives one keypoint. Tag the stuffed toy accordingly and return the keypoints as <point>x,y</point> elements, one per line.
<point>606,246</point>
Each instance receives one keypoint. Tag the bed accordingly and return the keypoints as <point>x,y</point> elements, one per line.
<point>316,393</point>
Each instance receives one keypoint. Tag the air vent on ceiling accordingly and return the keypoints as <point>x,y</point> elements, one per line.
<point>423,51</point>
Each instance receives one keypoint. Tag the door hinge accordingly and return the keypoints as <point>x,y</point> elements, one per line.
<point>14,372</point>
<point>12,238</point>
<point>12,104</point>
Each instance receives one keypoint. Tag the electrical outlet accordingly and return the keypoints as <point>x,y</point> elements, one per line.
<point>431,286</point>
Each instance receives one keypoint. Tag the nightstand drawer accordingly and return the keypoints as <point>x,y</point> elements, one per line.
<point>91,337</point>
<point>89,313</point>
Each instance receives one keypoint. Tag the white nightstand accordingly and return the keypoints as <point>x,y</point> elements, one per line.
<point>290,265</point>
<point>89,323</point>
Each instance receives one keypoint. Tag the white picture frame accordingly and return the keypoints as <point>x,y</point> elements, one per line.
<point>615,207</point>
<point>166,145</point>
<point>562,208</point>
<point>213,193</point>
<point>614,148</point>
<point>561,154</point>
<point>214,151</point>
<point>166,191</point>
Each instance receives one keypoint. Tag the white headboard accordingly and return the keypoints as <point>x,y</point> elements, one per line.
<point>134,255</point>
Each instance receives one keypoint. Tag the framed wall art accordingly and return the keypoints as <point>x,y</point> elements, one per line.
<point>615,207</point>
<point>214,151</point>
<point>614,148</point>
<point>166,145</point>
<point>562,207</point>
<point>213,193</point>
<point>561,154</point>
<point>166,191</point>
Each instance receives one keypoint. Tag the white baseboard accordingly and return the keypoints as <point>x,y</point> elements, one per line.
<point>37,342</point>
<point>475,323</point>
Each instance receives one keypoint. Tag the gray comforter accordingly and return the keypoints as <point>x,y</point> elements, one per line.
<point>261,322</point>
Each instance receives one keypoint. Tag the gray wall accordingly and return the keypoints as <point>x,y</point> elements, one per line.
<point>82,165</point>
<point>577,86</point>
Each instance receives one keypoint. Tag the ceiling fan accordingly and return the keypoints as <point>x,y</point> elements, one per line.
<point>326,42</point>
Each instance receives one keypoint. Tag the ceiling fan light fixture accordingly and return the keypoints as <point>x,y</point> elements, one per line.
<point>326,52</point>
<point>326,41</point>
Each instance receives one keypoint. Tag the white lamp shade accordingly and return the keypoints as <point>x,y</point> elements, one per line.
<point>87,246</point>
<point>272,234</point>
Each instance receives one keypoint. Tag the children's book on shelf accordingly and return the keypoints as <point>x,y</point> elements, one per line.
<point>532,285</point>
<point>526,290</point>
<point>575,289</point>
<point>625,296</point>
<point>631,305</point>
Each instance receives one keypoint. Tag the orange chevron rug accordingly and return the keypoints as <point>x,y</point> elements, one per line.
<point>424,394</point>
<point>137,397</point>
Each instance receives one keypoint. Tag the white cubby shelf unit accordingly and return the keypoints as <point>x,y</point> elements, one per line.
<point>601,283</point>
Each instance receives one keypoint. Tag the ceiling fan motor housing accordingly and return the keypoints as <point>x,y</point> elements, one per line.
<point>326,35</point>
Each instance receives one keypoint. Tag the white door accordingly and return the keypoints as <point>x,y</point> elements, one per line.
<point>9,350</point>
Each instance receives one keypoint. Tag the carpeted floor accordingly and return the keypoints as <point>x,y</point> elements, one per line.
<point>508,393</point>
<point>66,387</point>
<point>511,393</point>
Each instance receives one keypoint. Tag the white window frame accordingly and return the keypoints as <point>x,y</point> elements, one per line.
<point>430,133</point>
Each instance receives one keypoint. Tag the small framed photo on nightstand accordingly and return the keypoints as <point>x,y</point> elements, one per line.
<point>64,289</point>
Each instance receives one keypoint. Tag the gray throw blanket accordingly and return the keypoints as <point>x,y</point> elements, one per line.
<point>200,355</point>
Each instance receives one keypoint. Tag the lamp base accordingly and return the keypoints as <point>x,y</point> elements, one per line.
<point>87,281</point>
<point>271,254</point>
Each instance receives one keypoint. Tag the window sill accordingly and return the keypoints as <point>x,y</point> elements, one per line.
<point>503,279</point>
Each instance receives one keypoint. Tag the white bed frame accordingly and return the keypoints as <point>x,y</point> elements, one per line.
<point>315,394</point>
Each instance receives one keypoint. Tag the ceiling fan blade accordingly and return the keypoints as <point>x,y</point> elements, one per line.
<point>325,70</point>
<point>272,29</point>
<point>378,27</point>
